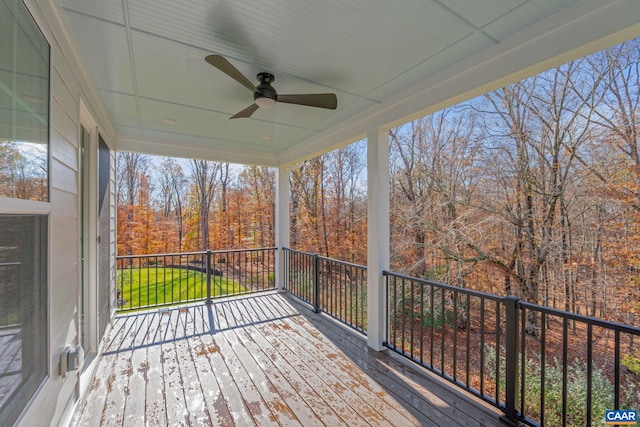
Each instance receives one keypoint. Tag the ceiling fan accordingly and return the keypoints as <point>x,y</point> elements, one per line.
<point>264,95</point>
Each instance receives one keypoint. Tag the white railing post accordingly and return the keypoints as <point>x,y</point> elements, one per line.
<point>282,224</point>
<point>377,234</point>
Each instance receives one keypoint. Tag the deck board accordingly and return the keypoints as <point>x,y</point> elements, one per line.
<point>197,413</point>
<point>364,394</point>
<point>229,402</point>
<point>212,398</point>
<point>306,403</point>
<point>286,406</point>
<point>155,411</point>
<point>431,397</point>
<point>263,359</point>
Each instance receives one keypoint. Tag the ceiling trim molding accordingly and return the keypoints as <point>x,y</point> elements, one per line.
<point>197,151</point>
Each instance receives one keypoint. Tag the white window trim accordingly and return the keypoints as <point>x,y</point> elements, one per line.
<point>9,205</point>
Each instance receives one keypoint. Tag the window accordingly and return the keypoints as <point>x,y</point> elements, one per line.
<point>23,313</point>
<point>24,174</point>
<point>24,105</point>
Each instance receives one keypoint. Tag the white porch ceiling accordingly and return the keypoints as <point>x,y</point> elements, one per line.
<point>387,61</point>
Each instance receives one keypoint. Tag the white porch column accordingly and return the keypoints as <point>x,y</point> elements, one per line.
<point>282,223</point>
<point>377,233</point>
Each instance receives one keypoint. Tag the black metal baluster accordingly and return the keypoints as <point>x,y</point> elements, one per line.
<point>589,371</point>
<point>422,323</point>
<point>565,368</point>
<point>497,350</point>
<point>543,367</point>
<point>482,346</point>
<point>455,334</point>
<point>432,326</point>
<point>412,303</point>
<point>468,346</point>
<point>616,373</point>
<point>511,359</point>
<point>442,329</point>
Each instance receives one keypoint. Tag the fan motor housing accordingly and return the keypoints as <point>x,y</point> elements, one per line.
<point>265,90</point>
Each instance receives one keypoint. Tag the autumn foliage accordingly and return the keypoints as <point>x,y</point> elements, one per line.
<point>160,207</point>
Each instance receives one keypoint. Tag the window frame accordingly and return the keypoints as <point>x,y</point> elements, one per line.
<point>15,206</point>
<point>39,30</point>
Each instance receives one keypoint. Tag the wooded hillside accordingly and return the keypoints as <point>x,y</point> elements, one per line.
<point>530,190</point>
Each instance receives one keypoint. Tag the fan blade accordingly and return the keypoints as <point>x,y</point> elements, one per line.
<point>226,67</point>
<point>320,100</point>
<point>247,112</point>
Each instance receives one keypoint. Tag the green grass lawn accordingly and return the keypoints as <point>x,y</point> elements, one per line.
<point>143,287</point>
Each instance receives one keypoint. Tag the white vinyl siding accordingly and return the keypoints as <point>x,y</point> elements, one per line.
<point>55,401</point>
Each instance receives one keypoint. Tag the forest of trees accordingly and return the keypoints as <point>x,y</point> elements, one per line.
<point>166,205</point>
<point>530,190</point>
<point>171,205</point>
<point>23,170</point>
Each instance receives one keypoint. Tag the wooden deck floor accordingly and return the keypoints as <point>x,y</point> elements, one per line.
<point>261,360</point>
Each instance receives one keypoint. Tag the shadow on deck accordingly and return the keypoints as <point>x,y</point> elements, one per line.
<point>263,359</point>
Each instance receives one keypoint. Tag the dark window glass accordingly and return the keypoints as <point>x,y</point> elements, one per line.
<point>23,311</point>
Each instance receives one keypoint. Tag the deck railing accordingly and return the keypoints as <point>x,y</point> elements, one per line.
<point>539,365</point>
<point>145,281</point>
<point>334,287</point>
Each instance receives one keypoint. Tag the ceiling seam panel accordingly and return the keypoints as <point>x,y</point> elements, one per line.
<point>194,107</point>
<point>89,15</point>
<point>454,14</point>
<point>478,29</point>
<point>132,60</point>
<point>204,153</point>
<point>407,70</point>
<point>474,31</point>
<point>237,60</point>
<point>512,10</point>
<point>228,141</point>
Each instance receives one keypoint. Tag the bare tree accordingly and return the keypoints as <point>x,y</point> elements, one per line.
<point>547,124</point>
<point>131,168</point>
<point>204,174</point>
<point>173,187</point>
<point>615,106</point>
<point>307,199</point>
<point>23,170</point>
<point>260,183</point>
<point>345,191</point>
<point>131,173</point>
<point>433,164</point>
<point>616,103</point>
